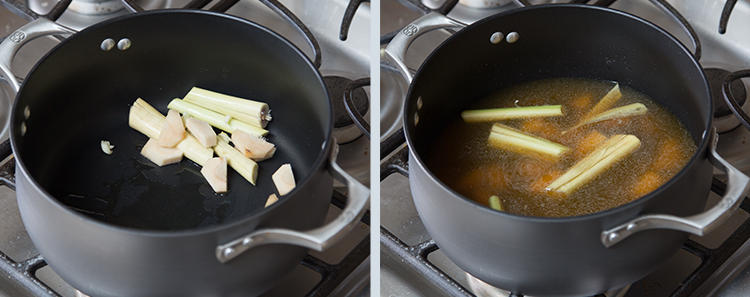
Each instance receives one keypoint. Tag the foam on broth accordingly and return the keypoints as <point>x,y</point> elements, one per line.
<point>463,159</point>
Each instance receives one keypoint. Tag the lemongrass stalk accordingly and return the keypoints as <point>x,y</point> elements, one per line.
<point>215,119</point>
<point>509,113</point>
<point>244,166</point>
<point>514,140</point>
<point>250,111</point>
<point>605,103</point>
<point>495,203</point>
<point>146,119</point>
<point>629,110</point>
<point>610,152</point>
<point>225,137</point>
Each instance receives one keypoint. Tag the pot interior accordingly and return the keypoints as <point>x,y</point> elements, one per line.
<point>79,94</point>
<point>590,42</point>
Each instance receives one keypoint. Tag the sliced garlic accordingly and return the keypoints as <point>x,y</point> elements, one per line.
<point>107,147</point>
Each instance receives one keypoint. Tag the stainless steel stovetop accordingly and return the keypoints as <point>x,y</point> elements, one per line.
<point>350,59</point>
<point>399,217</point>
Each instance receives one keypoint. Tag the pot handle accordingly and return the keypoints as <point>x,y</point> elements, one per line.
<point>700,224</point>
<point>10,46</point>
<point>318,239</point>
<point>396,50</point>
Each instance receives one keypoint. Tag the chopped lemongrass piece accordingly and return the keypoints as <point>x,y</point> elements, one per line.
<point>602,158</point>
<point>252,146</point>
<point>149,121</point>
<point>605,103</point>
<point>106,147</point>
<point>202,131</point>
<point>246,110</point>
<point>214,118</point>
<point>629,110</point>
<point>496,114</point>
<point>244,166</point>
<point>223,136</point>
<point>215,172</point>
<point>271,200</point>
<point>495,203</point>
<point>161,155</point>
<point>514,140</point>
<point>283,178</point>
<point>173,130</point>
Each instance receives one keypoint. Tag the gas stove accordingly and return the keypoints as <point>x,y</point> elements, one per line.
<point>344,57</point>
<point>713,265</point>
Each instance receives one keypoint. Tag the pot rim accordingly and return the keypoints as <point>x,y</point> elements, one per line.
<point>701,147</point>
<point>320,160</point>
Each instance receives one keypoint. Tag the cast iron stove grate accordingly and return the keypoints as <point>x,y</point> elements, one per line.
<point>716,265</point>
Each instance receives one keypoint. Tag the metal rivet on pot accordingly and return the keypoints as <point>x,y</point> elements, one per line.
<point>247,241</point>
<point>416,119</point>
<point>124,44</point>
<point>632,226</point>
<point>23,128</point>
<point>228,251</point>
<point>496,37</point>
<point>419,103</point>
<point>26,112</point>
<point>613,236</point>
<point>108,44</point>
<point>512,37</point>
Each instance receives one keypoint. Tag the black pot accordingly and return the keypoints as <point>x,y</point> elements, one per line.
<point>574,256</point>
<point>114,225</point>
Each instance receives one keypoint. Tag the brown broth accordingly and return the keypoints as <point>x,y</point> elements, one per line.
<point>463,159</point>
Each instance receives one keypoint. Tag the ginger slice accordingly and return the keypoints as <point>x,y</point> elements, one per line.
<point>252,146</point>
<point>271,200</point>
<point>588,143</point>
<point>283,178</point>
<point>215,172</point>
<point>202,131</point>
<point>161,155</point>
<point>647,183</point>
<point>173,130</point>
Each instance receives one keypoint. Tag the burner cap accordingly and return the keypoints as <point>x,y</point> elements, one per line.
<point>336,88</point>
<point>716,78</point>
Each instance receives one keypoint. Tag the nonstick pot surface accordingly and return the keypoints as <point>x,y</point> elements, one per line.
<point>79,95</point>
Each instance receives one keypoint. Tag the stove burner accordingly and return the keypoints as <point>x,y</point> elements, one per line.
<point>83,13</point>
<point>724,120</point>
<point>344,128</point>
<point>482,289</point>
<point>84,7</point>
<point>484,3</point>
